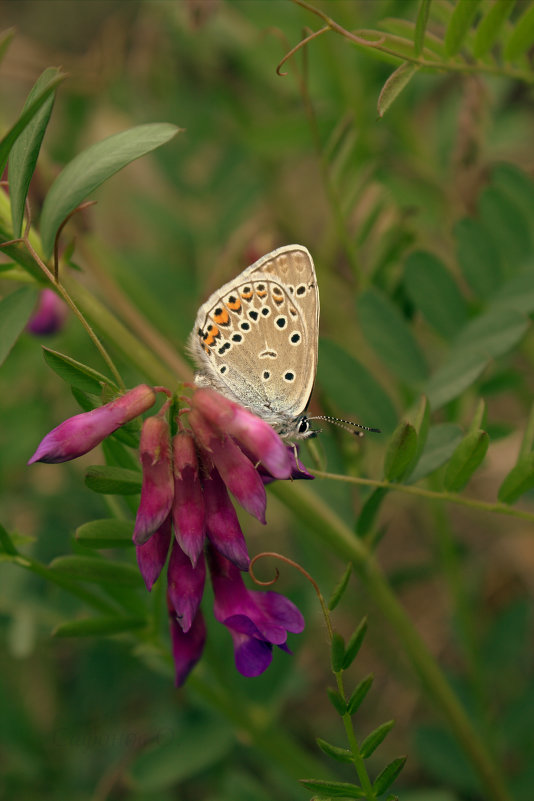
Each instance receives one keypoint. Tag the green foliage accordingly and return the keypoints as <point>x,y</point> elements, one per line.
<point>15,311</point>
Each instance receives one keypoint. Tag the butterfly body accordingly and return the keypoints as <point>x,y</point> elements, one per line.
<point>255,339</point>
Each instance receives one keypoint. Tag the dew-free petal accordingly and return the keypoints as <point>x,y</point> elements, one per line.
<point>188,510</point>
<point>49,316</point>
<point>222,525</point>
<point>152,555</point>
<point>157,490</point>
<point>83,432</point>
<point>186,647</point>
<point>185,585</point>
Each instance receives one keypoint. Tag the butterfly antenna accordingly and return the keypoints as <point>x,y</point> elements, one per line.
<point>347,425</point>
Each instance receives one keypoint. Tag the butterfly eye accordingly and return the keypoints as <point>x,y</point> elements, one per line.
<point>303,425</point>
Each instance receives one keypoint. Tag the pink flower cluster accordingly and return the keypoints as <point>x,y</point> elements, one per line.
<point>219,447</point>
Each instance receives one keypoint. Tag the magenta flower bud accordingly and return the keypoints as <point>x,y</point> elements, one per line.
<point>255,620</point>
<point>222,525</point>
<point>186,647</point>
<point>157,490</point>
<point>49,316</point>
<point>153,554</point>
<point>257,437</point>
<point>298,471</point>
<point>189,514</point>
<point>185,586</point>
<point>237,472</point>
<point>83,432</point>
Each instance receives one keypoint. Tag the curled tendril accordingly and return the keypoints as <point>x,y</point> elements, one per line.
<point>297,47</point>
<point>304,572</point>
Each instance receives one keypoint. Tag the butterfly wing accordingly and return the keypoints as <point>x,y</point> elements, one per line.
<point>255,340</point>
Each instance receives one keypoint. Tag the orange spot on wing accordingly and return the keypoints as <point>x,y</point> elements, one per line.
<point>261,293</point>
<point>236,306</point>
<point>247,295</point>
<point>223,318</point>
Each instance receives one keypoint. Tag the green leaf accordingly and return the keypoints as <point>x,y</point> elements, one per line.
<point>354,644</point>
<point>91,168</point>
<point>490,26</point>
<point>491,334</point>
<point>459,25</point>
<point>506,227</point>
<point>420,25</point>
<point>108,480</point>
<point>459,372</point>
<point>99,626</point>
<point>334,751</point>
<point>336,700</point>
<point>106,533</point>
<point>340,588</point>
<point>440,445</point>
<point>359,694</point>
<point>99,571</point>
<point>397,81</point>
<point>517,185</point>
<point>25,151</point>
<point>369,511</point>
<point>353,387</point>
<point>465,460</point>
<point>373,740</point>
<point>419,416</point>
<point>337,652</point>
<point>77,374</point>
<point>400,452</point>
<point>434,291</point>
<point>478,258</point>
<point>5,40</point>
<point>15,311</point>
<point>333,789</point>
<point>6,543</point>
<point>388,333</point>
<point>25,118</point>
<point>521,37</point>
<point>388,775</point>
<point>519,480</point>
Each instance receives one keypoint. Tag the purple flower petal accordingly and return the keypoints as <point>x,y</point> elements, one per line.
<point>237,472</point>
<point>153,554</point>
<point>252,657</point>
<point>222,526</point>
<point>157,491</point>
<point>185,586</point>
<point>189,514</point>
<point>186,647</point>
<point>50,314</point>
<point>83,432</point>
<point>298,471</point>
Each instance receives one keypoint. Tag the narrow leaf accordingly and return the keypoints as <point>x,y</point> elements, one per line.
<point>91,168</point>
<point>440,445</point>
<point>94,569</point>
<point>77,374</point>
<point>397,81</point>
<point>6,543</point>
<point>359,694</point>
<point>15,311</point>
<point>420,25</point>
<point>419,416</point>
<point>99,626</point>
<point>490,26</point>
<point>108,480</point>
<point>340,588</point>
<point>492,333</point>
<point>354,644</point>
<point>5,40</point>
<point>25,151</point>
<point>334,751</point>
<point>336,700</point>
<point>479,418</point>
<point>388,775</point>
<point>354,387</point>
<point>479,260</point>
<point>400,452</point>
<point>389,335</point>
<point>373,740</point>
<point>519,480</point>
<point>337,652</point>
<point>434,291</point>
<point>521,37</point>
<point>333,789</point>
<point>25,118</point>
<point>464,461</point>
<point>459,372</point>
<point>369,511</point>
<point>106,533</point>
<point>459,25</point>
<point>506,227</point>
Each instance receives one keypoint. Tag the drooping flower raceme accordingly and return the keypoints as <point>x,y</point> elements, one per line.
<point>219,448</point>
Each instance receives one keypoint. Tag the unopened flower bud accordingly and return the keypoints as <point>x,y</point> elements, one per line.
<point>157,490</point>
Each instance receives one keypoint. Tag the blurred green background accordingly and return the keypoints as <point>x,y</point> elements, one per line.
<point>264,160</point>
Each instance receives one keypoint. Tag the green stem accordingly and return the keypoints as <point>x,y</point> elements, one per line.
<point>332,530</point>
<point>449,497</point>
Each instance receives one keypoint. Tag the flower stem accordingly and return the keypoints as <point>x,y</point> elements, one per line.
<point>313,511</point>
